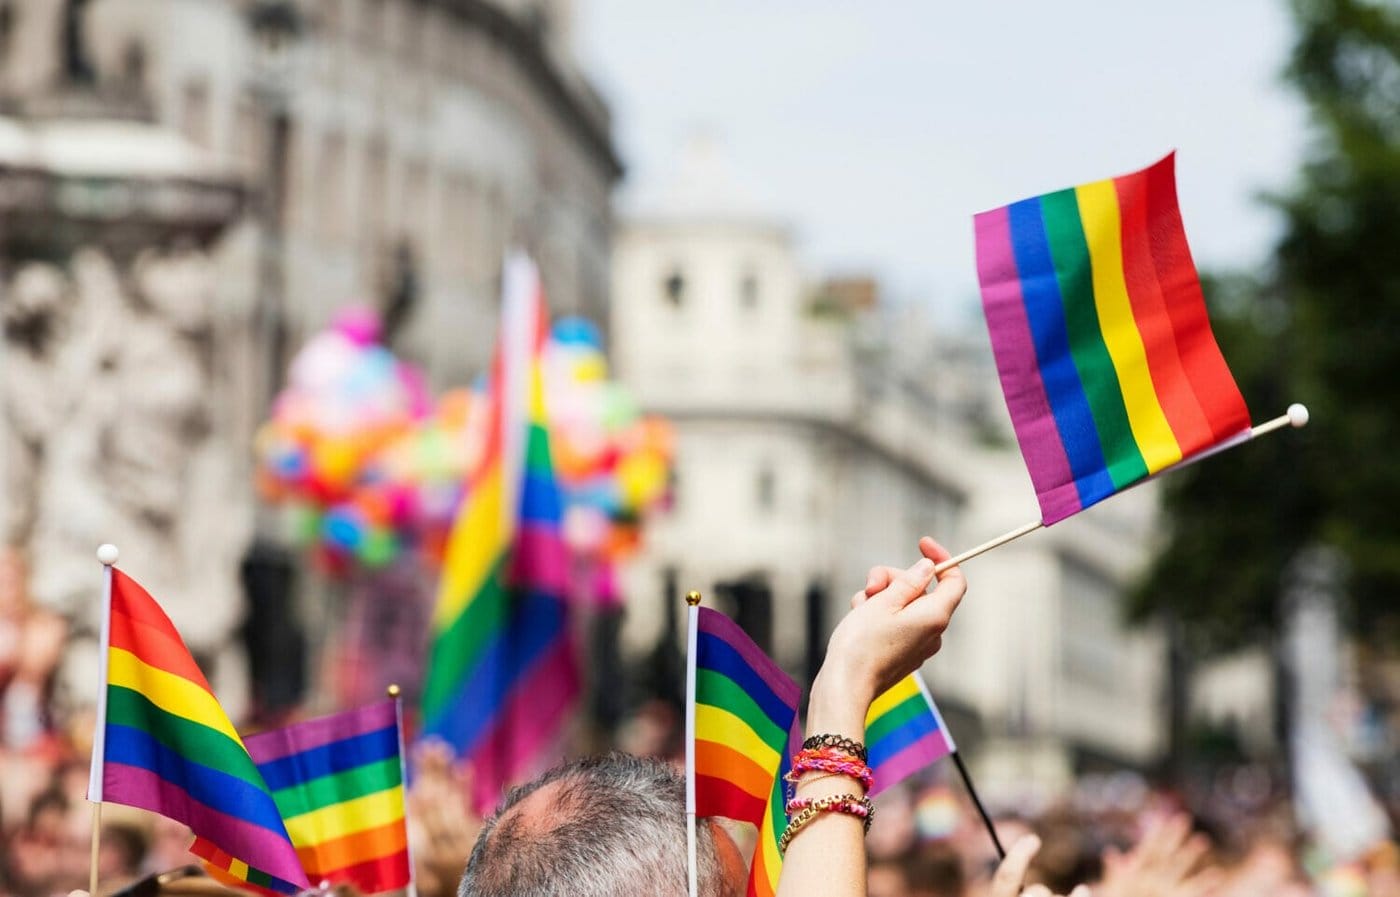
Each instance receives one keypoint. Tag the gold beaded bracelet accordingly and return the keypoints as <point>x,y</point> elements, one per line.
<point>850,804</point>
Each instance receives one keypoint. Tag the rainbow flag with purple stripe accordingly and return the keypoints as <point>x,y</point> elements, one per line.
<point>163,743</point>
<point>338,783</point>
<point>1106,356</point>
<point>502,673</point>
<point>904,732</point>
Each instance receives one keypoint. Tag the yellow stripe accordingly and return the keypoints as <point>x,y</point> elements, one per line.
<point>479,535</point>
<point>1098,209</point>
<point>238,869</point>
<point>903,690</point>
<point>537,409</point>
<point>169,692</point>
<point>768,843</point>
<point>723,727</point>
<point>339,820</point>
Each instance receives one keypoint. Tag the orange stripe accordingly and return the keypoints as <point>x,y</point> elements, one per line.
<point>723,762</point>
<point>328,856</point>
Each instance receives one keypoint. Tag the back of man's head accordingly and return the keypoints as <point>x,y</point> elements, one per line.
<point>604,826</point>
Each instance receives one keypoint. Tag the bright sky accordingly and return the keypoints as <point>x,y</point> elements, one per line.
<point>877,128</point>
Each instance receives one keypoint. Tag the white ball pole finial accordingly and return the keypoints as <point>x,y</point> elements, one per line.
<point>108,554</point>
<point>1298,415</point>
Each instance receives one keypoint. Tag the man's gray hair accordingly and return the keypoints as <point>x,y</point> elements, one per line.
<point>614,826</point>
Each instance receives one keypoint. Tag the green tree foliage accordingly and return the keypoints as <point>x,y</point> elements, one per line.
<point>1324,329</point>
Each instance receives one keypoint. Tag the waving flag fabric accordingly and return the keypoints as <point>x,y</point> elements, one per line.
<point>502,674</point>
<point>745,731</point>
<point>165,744</point>
<point>904,733</point>
<point>1098,324</point>
<point>338,783</point>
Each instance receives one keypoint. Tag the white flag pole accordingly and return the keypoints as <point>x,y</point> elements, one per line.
<point>692,600</point>
<point>107,555</point>
<point>1296,417</point>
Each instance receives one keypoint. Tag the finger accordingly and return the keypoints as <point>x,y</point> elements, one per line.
<point>1080,891</point>
<point>1037,891</point>
<point>879,579</point>
<point>857,600</point>
<point>907,585</point>
<point>1012,871</point>
<point>1187,857</point>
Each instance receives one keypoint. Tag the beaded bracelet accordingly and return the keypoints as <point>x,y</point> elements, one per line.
<point>837,803</point>
<point>851,804</point>
<point>849,745</point>
<point>830,760</point>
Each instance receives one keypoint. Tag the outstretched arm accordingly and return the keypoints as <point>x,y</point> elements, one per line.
<point>887,635</point>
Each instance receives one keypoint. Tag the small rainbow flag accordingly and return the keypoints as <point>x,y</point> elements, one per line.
<point>904,732</point>
<point>338,783</point>
<point>1099,327</point>
<point>743,728</point>
<point>163,743</point>
<point>502,672</point>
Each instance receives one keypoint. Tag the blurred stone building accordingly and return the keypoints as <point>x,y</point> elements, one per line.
<point>370,151</point>
<point>818,434</point>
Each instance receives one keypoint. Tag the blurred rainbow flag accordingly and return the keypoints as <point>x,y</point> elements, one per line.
<point>502,672</point>
<point>742,734</point>
<point>1099,327</point>
<point>338,783</point>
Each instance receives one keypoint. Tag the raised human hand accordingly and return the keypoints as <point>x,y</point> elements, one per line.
<point>893,626</point>
<point>1010,876</point>
<point>1163,864</point>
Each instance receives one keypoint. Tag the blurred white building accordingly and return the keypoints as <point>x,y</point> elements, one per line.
<point>816,438</point>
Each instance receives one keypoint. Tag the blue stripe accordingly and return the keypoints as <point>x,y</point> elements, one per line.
<point>537,623</point>
<point>900,738</point>
<point>540,500</point>
<point>329,759</point>
<point>215,789</point>
<point>714,653</point>
<point>1040,291</point>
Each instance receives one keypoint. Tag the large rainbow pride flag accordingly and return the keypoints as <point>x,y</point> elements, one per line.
<point>1099,327</point>
<point>163,743</point>
<point>904,733</point>
<point>502,672</point>
<point>338,783</point>
<point>744,738</point>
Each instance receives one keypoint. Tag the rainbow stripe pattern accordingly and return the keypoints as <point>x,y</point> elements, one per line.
<point>166,745</point>
<point>502,673</point>
<point>745,737</point>
<point>904,732</point>
<point>338,783</point>
<point>1106,356</point>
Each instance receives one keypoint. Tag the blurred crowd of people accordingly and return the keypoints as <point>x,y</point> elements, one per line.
<point>1113,831</point>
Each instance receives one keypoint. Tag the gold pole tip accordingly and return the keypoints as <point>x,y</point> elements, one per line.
<point>692,598</point>
<point>393,691</point>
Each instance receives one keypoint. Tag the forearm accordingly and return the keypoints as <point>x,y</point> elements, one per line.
<point>828,856</point>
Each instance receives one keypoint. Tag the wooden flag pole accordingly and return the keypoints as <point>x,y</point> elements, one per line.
<point>1297,416</point>
<point>108,555</point>
<point>977,802</point>
<point>692,600</point>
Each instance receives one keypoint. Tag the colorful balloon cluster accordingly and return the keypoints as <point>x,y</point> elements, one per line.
<point>371,467</point>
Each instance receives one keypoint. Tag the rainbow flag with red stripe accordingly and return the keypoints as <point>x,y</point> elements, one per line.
<point>163,743</point>
<point>502,672</point>
<point>1106,356</point>
<point>338,783</point>
<point>744,735</point>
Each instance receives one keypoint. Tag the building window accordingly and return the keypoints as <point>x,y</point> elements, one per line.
<point>673,288</point>
<point>748,290</point>
<point>766,488</point>
<point>7,27</point>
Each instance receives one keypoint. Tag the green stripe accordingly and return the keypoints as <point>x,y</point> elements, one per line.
<point>537,457</point>
<point>338,787</point>
<point>194,741</point>
<point>1073,269</point>
<point>458,648</point>
<point>718,690</point>
<point>896,716</point>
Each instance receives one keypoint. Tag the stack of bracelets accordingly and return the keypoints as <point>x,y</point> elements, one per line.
<point>830,755</point>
